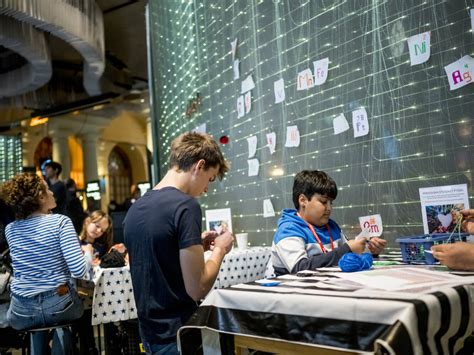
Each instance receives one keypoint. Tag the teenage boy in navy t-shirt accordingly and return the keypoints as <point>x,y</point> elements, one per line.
<point>166,249</point>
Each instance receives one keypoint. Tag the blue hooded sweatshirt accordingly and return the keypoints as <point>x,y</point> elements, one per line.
<point>295,248</point>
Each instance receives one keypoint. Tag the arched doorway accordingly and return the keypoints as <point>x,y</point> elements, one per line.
<point>120,175</point>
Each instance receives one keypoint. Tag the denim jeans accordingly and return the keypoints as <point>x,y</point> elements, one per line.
<point>161,349</point>
<point>45,310</point>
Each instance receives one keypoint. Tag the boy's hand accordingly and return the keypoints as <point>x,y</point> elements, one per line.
<point>376,245</point>
<point>207,239</point>
<point>224,241</point>
<point>357,245</point>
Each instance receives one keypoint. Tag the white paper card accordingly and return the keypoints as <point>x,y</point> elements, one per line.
<point>268,210</point>
<point>305,80</point>
<point>271,142</point>
<point>233,47</point>
<point>472,20</point>
<point>247,85</point>
<point>373,224</point>
<point>252,142</point>
<point>460,72</point>
<point>240,106</point>
<point>340,124</point>
<point>253,167</point>
<point>279,89</point>
<point>292,136</point>
<point>321,71</point>
<point>201,128</point>
<point>360,123</point>
<point>248,101</point>
<point>219,220</point>
<point>236,69</point>
<point>439,205</point>
<point>419,47</point>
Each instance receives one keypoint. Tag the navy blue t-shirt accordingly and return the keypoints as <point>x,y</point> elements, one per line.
<point>156,227</point>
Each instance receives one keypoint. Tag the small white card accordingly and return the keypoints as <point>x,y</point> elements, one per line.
<point>360,122</point>
<point>240,106</point>
<point>248,101</point>
<point>340,124</point>
<point>419,47</point>
<point>305,80</point>
<point>321,71</point>
<point>247,85</point>
<point>292,136</point>
<point>460,72</point>
<point>271,141</point>
<point>252,142</point>
<point>233,48</point>
<point>279,89</point>
<point>236,69</point>
<point>472,20</point>
<point>373,224</point>
<point>253,167</point>
<point>219,220</point>
<point>268,210</point>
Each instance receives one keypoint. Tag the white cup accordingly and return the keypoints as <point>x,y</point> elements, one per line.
<point>242,240</point>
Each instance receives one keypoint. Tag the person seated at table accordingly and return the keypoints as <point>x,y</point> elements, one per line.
<point>46,255</point>
<point>306,237</point>
<point>166,248</point>
<point>458,256</point>
<point>97,231</point>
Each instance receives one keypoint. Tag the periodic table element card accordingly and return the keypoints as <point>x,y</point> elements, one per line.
<point>419,48</point>
<point>373,224</point>
<point>360,122</point>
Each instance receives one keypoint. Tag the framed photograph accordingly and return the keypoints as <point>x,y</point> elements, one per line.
<point>219,220</point>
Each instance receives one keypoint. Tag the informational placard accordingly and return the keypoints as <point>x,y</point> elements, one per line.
<point>93,190</point>
<point>440,206</point>
<point>219,220</point>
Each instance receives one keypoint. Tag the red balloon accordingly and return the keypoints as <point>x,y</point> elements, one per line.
<point>224,140</point>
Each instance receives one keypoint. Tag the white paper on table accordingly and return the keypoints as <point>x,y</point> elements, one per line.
<point>460,72</point>
<point>279,89</point>
<point>439,204</point>
<point>240,106</point>
<point>292,136</point>
<point>304,80</point>
<point>271,141</point>
<point>268,210</point>
<point>252,143</point>
<point>219,220</point>
<point>340,124</point>
<point>247,85</point>
<point>360,122</point>
<point>373,224</point>
<point>248,101</point>
<point>235,67</point>
<point>233,46</point>
<point>419,47</point>
<point>472,20</point>
<point>201,128</point>
<point>321,71</point>
<point>253,167</point>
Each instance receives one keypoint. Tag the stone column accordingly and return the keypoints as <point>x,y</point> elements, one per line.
<point>61,153</point>
<point>89,149</point>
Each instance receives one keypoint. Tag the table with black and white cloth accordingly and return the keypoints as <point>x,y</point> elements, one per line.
<point>435,321</point>
<point>113,299</point>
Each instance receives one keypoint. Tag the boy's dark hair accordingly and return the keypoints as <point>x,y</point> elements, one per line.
<point>55,166</point>
<point>191,147</point>
<point>310,182</point>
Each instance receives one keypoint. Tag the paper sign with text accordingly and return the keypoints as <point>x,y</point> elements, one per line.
<point>340,124</point>
<point>268,210</point>
<point>321,71</point>
<point>236,69</point>
<point>240,106</point>
<point>247,85</point>
<point>460,72</point>
<point>279,89</point>
<point>305,80</point>
<point>360,122</point>
<point>271,142</point>
<point>292,136</point>
<point>252,142</point>
<point>419,47</point>
<point>233,48</point>
<point>254,165</point>
<point>373,224</point>
<point>248,101</point>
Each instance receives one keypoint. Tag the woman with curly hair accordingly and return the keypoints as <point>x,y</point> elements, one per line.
<point>46,255</point>
<point>97,231</point>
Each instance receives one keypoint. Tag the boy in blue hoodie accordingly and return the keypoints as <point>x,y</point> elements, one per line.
<point>306,237</point>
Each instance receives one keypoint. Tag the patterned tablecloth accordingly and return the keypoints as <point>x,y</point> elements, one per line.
<point>113,293</point>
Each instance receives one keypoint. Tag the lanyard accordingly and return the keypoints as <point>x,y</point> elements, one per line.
<point>311,228</point>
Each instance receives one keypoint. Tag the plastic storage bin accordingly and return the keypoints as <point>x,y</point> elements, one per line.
<point>413,247</point>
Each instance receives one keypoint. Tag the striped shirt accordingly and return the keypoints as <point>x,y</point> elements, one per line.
<point>45,253</point>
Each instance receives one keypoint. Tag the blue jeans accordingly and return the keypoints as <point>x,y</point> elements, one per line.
<point>161,349</point>
<point>45,310</point>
